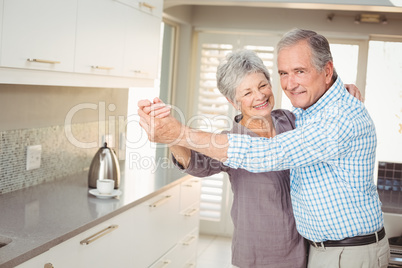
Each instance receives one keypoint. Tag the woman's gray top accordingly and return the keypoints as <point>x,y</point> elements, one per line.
<point>265,232</point>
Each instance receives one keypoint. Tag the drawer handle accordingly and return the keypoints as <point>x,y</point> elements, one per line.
<point>143,4</point>
<point>99,234</point>
<point>48,265</point>
<point>101,67</point>
<point>190,240</point>
<point>165,263</point>
<point>191,212</point>
<point>191,183</point>
<point>44,61</point>
<point>160,201</point>
<point>139,72</point>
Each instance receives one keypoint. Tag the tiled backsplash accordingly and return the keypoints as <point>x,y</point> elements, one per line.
<point>389,176</point>
<point>389,185</point>
<point>60,157</point>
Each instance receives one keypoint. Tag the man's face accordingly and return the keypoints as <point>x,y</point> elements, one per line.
<point>300,80</point>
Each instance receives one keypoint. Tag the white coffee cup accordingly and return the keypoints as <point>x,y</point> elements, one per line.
<point>105,186</point>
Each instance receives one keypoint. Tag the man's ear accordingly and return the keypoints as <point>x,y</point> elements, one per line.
<point>329,71</point>
<point>233,104</point>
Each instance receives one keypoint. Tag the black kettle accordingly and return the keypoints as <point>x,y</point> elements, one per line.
<point>104,165</point>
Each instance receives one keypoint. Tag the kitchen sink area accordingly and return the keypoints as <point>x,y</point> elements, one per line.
<point>35,220</point>
<point>4,241</point>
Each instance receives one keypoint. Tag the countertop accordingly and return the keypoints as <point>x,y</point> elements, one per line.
<point>40,217</point>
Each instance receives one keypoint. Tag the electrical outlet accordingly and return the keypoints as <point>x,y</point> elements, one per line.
<point>34,153</point>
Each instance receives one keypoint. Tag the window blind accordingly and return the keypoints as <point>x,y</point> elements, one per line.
<point>215,115</point>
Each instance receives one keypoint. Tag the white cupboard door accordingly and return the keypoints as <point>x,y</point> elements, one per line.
<point>100,37</point>
<point>189,205</point>
<point>181,254</point>
<point>190,192</point>
<point>39,34</point>
<point>156,224</point>
<point>103,246</point>
<point>38,261</point>
<point>1,22</point>
<point>111,250</point>
<point>121,247</point>
<point>142,45</point>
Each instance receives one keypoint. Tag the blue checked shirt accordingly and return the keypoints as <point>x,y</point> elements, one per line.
<point>331,156</point>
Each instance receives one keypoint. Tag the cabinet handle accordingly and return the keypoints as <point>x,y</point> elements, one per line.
<point>160,201</point>
<point>190,240</point>
<point>144,4</point>
<point>101,67</point>
<point>190,184</point>
<point>165,263</point>
<point>48,265</point>
<point>139,72</point>
<point>191,212</point>
<point>44,61</point>
<point>99,234</point>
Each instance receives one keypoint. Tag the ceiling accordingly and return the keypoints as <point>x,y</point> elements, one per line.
<point>349,5</point>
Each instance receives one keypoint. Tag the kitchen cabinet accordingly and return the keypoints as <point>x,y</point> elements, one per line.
<point>146,235</point>
<point>157,219</point>
<point>108,244</point>
<point>1,21</point>
<point>39,34</point>
<point>142,45</point>
<point>112,40</point>
<point>89,43</point>
<point>189,206</point>
<point>100,37</point>
<point>182,254</point>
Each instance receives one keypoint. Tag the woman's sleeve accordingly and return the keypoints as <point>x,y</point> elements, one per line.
<point>201,165</point>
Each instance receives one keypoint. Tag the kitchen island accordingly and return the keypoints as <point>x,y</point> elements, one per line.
<point>41,217</point>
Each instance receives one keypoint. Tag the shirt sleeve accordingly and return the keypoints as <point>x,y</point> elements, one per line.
<point>324,140</point>
<point>201,165</point>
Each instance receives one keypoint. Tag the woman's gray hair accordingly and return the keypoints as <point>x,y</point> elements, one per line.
<point>319,45</point>
<point>235,67</point>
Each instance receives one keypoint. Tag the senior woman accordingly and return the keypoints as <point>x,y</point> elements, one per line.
<point>265,232</point>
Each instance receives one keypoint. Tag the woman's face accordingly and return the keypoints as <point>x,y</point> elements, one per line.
<point>254,96</point>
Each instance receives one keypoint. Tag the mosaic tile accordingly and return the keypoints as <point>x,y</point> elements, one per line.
<point>60,156</point>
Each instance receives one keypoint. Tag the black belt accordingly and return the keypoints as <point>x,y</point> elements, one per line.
<point>352,241</point>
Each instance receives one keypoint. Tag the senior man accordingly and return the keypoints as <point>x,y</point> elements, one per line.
<point>331,155</point>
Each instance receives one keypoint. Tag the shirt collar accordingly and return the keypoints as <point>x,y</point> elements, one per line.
<point>332,94</point>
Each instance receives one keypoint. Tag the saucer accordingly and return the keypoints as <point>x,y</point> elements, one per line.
<point>96,193</point>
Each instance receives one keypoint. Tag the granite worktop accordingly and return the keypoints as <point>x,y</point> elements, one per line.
<point>40,217</point>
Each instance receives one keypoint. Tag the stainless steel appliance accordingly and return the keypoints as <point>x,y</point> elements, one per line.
<point>104,165</point>
<point>395,244</point>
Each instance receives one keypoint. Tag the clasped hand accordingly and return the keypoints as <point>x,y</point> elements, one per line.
<point>159,124</point>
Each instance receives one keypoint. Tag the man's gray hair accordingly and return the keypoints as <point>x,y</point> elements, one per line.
<point>237,65</point>
<point>319,45</point>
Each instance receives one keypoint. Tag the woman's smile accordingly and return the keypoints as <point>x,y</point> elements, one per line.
<point>262,105</point>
